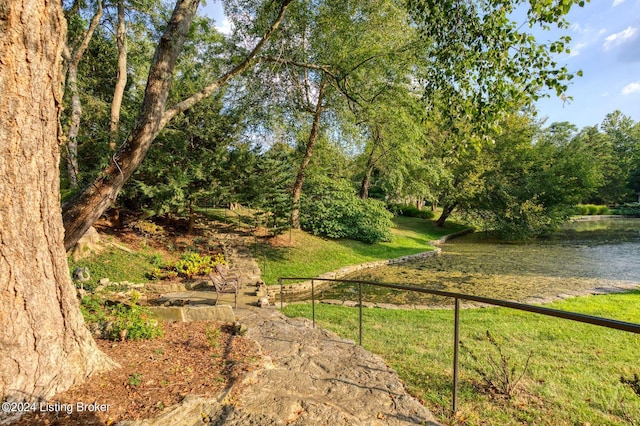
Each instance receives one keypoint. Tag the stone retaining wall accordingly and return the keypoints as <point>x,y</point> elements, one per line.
<point>305,286</point>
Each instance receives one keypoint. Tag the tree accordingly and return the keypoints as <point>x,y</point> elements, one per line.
<point>72,56</point>
<point>534,178</point>
<point>82,210</point>
<point>44,344</point>
<point>621,141</point>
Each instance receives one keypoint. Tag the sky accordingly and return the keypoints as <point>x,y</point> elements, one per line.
<point>605,45</point>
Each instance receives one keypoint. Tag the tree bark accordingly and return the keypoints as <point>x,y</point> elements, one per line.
<point>366,182</point>
<point>371,162</point>
<point>121,79</point>
<point>446,212</point>
<point>313,136</point>
<point>73,61</point>
<point>44,344</point>
<point>81,211</point>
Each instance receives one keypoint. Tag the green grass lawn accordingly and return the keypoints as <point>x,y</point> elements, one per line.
<point>119,265</point>
<point>573,376</point>
<point>309,256</point>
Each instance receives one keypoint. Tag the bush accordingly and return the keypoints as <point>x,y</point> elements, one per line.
<point>120,321</point>
<point>410,211</point>
<point>339,213</point>
<point>591,209</point>
<point>629,209</point>
<point>189,266</point>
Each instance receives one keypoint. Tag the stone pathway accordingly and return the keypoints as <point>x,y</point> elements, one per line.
<point>314,377</point>
<point>308,376</point>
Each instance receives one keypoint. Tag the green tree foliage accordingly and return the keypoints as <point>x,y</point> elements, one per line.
<point>621,137</point>
<point>534,179</point>
<point>187,162</point>
<point>480,59</point>
<point>268,187</point>
<point>332,209</point>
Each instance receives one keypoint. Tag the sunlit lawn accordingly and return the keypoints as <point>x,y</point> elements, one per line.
<point>309,256</point>
<point>573,376</point>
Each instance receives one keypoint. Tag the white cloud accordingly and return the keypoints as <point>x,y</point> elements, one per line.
<point>631,88</point>
<point>619,38</point>
<point>225,27</point>
<point>617,2</point>
<point>577,48</point>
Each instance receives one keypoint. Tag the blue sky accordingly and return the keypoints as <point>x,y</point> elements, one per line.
<point>605,46</point>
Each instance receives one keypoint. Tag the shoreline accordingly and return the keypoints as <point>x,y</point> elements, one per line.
<point>304,287</point>
<point>597,291</point>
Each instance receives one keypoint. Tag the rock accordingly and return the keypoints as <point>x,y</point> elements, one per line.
<point>208,313</point>
<point>81,274</point>
<point>263,302</point>
<point>239,329</point>
<point>192,410</point>
<point>87,245</point>
<point>104,281</point>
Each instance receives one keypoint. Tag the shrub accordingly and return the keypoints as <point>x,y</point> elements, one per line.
<point>189,266</point>
<point>133,322</point>
<point>498,372</point>
<point>590,209</point>
<point>120,321</point>
<point>341,214</point>
<point>148,228</point>
<point>628,209</point>
<point>410,211</point>
<point>581,210</point>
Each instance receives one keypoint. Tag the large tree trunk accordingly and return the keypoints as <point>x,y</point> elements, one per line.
<point>366,182</point>
<point>371,162</point>
<point>81,211</point>
<point>44,344</point>
<point>313,136</point>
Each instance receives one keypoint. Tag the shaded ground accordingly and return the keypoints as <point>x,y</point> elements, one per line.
<point>197,358</point>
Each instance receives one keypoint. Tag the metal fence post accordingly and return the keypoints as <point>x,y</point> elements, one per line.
<point>360,310</point>
<point>456,337</point>
<point>313,305</point>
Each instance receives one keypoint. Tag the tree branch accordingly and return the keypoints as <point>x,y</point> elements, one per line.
<point>242,66</point>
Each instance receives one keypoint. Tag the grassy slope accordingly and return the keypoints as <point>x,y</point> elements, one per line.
<point>311,255</point>
<point>118,265</point>
<point>573,376</point>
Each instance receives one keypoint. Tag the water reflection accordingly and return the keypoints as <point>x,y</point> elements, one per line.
<point>583,256</point>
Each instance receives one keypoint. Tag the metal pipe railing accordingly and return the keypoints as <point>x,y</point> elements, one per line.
<point>572,316</point>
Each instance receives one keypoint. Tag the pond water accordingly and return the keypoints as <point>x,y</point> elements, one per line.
<point>583,256</point>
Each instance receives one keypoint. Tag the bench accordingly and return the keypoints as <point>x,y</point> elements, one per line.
<point>226,281</point>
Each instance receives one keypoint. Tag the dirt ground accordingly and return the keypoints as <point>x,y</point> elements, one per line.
<point>196,358</point>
